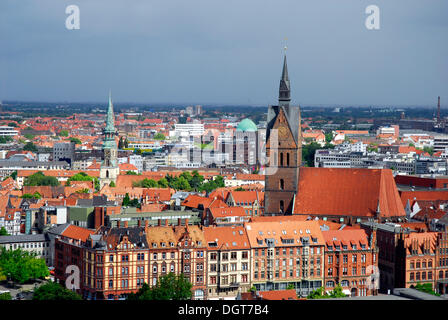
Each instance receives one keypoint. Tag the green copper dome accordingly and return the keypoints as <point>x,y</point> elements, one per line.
<point>246,125</point>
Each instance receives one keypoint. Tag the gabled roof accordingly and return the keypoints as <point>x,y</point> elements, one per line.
<point>347,192</point>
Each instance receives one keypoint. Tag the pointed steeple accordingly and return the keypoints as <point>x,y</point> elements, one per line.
<point>284,95</point>
<point>110,118</point>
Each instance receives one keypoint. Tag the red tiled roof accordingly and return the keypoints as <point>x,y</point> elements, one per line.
<point>352,192</point>
<point>356,237</point>
<point>226,237</point>
<point>419,196</point>
<point>75,232</point>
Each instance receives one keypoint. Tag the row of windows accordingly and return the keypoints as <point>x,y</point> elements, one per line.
<point>292,251</point>
<point>420,264</point>
<point>345,271</point>
<point>345,258</point>
<point>225,267</point>
<point>31,245</point>
<point>286,273</point>
<point>232,278</point>
<point>346,283</point>
<point>225,255</point>
<point>420,276</point>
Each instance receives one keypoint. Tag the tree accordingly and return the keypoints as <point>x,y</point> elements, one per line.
<point>75,140</point>
<point>159,136</point>
<point>29,136</point>
<point>168,287</point>
<point>429,150</point>
<point>126,143</point>
<point>329,137</point>
<point>35,195</point>
<point>5,139</point>
<point>120,143</point>
<point>63,133</point>
<point>30,147</point>
<point>308,152</point>
<point>3,232</point>
<point>54,291</point>
<point>321,294</point>
<point>112,184</point>
<point>5,296</point>
<point>425,287</point>
<point>196,180</point>
<point>12,124</point>
<point>22,266</point>
<point>163,183</point>
<point>14,175</point>
<point>126,200</point>
<point>39,179</point>
<point>131,173</point>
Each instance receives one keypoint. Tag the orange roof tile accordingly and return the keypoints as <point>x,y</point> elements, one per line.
<point>352,192</point>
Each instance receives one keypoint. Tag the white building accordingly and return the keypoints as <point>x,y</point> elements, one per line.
<point>8,131</point>
<point>188,129</point>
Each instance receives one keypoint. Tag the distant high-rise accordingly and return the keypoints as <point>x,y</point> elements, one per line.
<point>438,109</point>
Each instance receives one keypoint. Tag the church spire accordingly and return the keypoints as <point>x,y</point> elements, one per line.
<point>284,95</point>
<point>110,118</point>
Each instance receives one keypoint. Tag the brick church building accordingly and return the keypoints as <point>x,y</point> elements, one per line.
<point>349,195</point>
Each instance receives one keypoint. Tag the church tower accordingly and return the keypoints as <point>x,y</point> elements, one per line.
<point>109,169</point>
<point>283,151</point>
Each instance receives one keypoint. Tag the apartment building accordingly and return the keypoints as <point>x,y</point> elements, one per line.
<point>351,261</point>
<point>286,253</point>
<point>229,262</point>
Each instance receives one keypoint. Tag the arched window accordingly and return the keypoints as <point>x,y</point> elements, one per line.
<point>287,159</point>
<point>107,173</point>
<point>282,206</point>
<point>282,184</point>
<point>281,158</point>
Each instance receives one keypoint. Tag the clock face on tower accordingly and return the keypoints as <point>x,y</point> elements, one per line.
<point>282,132</point>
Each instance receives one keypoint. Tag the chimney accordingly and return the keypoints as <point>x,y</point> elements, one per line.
<point>139,223</point>
<point>146,224</point>
<point>159,222</point>
<point>179,221</point>
<point>118,223</point>
<point>125,224</point>
<point>186,222</point>
<point>438,109</point>
<point>166,222</point>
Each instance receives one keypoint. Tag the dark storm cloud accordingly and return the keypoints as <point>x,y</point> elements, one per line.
<point>208,51</point>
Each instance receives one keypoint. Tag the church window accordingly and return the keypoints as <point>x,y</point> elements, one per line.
<point>282,184</point>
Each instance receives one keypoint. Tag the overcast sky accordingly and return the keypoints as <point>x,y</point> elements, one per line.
<point>225,51</point>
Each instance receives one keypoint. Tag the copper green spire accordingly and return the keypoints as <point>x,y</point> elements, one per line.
<point>110,119</point>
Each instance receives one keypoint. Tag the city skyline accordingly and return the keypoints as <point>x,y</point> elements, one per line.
<point>180,54</point>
